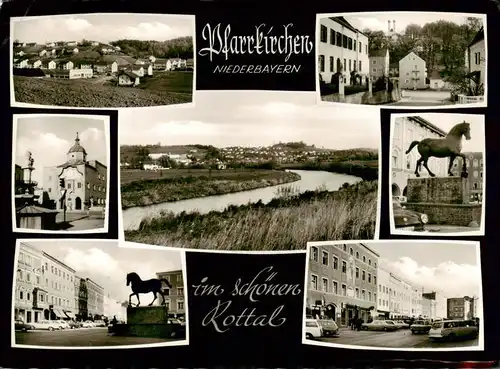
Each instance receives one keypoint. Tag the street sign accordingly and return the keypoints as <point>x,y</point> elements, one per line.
<point>62,191</point>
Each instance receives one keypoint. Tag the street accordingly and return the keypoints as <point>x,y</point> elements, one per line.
<point>82,337</point>
<point>398,339</point>
<point>423,98</point>
<point>78,221</point>
<point>444,228</point>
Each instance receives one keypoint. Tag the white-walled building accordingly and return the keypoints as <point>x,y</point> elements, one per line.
<point>342,48</point>
<point>412,72</point>
<point>406,130</point>
<point>383,305</point>
<point>475,55</point>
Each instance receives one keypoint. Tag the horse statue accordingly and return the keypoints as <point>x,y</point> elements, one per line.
<point>447,147</point>
<point>147,286</point>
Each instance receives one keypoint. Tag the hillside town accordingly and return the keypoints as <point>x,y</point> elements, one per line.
<point>436,63</point>
<point>156,157</point>
<point>89,59</point>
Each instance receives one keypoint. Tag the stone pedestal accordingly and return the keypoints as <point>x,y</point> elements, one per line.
<point>341,85</point>
<point>446,200</point>
<point>147,315</point>
<point>146,321</point>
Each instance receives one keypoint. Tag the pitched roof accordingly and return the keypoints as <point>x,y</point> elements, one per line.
<point>478,37</point>
<point>378,53</point>
<point>435,75</point>
<point>129,73</point>
<point>34,210</point>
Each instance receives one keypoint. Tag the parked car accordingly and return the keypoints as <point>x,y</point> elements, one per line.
<point>313,329</point>
<point>47,325</point>
<point>87,324</point>
<point>74,325</point>
<point>99,323</point>
<point>64,324</point>
<point>329,326</point>
<point>401,325</point>
<point>454,329</point>
<point>20,325</point>
<point>380,325</point>
<point>408,219</point>
<point>421,326</point>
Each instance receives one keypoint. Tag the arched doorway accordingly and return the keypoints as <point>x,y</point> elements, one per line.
<point>330,311</point>
<point>78,203</point>
<point>395,190</point>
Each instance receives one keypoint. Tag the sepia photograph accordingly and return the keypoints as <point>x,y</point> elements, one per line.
<point>102,60</point>
<point>406,295</point>
<point>438,174</point>
<point>97,294</point>
<point>60,173</point>
<point>249,170</point>
<point>402,59</point>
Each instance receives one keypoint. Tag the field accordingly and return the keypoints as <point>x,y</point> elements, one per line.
<point>283,224</point>
<point>160,89</point>
<point>140,187</point>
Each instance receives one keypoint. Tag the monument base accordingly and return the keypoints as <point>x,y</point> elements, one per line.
<point>449,214</point>
<point>438,190</point>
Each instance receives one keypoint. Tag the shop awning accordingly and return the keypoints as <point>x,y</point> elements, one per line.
<point>69,314</point>
<point>58,313</point>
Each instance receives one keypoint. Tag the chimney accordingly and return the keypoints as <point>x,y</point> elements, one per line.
<point>393,26</point>
<point>388,26</point>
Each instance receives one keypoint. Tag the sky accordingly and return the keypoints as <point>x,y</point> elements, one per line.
<point>452,269</point>
<point>108,263</point>
<point>446,121</point>
<point>378,21</point>
<point>102,27</point>
<point>252,118</point>
<point>49,137</point>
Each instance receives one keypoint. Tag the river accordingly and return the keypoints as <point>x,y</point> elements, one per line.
<point>310,180</point>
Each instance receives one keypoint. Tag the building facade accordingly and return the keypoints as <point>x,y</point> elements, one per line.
<point>174,296</point>
<point>474,162</point>
<point>460,308</point>
<point>342,282</point>
<point>85,181</point>
<point>342,49</point>
<point>412,72</point>
<point>30,290</point>
<point>475,56</point>
<point>81,298</point>
<point>379,63</point>
<point>95,300</point>
<point>404,131</point>
<point>60,285</point>
<point>384,296</point>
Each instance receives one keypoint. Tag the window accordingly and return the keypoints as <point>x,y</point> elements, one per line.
<point>357,255</point>
<point>332,64</point>
<point>363,275</point>
<point>363,295</point>
<point>360,49</point>
<point>344,266</point>
<point>360,66</point>
<point>357,272</point>
<point>314,253</point>
<point>475,163</point>
<point>50,190</point>
<point>332,37</point>
<point>314,282</point>
<point>335,262</point>
<point>37,280</point>
<point>335,286</point>
<point>79,184</point>
<point>179,277</point>
<point>321,63</point>
<point>28,277</point>
<point>180,291</point>
<point>338,39</point>
<point>364,259</point>
<point>345,64</point>
<point>344,41</point>
<point>344,290</point>
<point>369,296</point>
<point>324,285</point>
<point>375,280</point>
<point>180,305</point>
<point>351,251</point>
<point>350,65</point>
<point>476,174</point>
<point>374,62</point>
<point>68,186</point>
<point>324,258</point>
<point>323,34</point>
<point>366,49</point>
<point>21,295</point>
<point>369,278</point>
<point>407,81</point>
<point>344,248</point>
<point>354,45</point>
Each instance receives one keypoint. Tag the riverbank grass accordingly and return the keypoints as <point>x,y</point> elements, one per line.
<point>287,223</point>
<point>150,187</point>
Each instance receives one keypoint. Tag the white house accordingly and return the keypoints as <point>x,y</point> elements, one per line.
<point>66,65</point>
<point>21,53</point>
<point>406,130</point>
<point>21,63</point>
<point>128,78</point>
<point>137,69</point>
<point>105,66</point>
<point>148,69</point>
<point>50,44</point>
<point>162,64</point>
<point>475,55</point>
<point>36,63</point>
<point>342,49</point>
<point>177,63</point>
<point>42,52</point>
<point>412,72</point>
<point>152,59</point>
<point>71,73</point>
<point>436,82</point>
<point>379,63</point>
<point>53,52</point>
<point>52,64</point>
<point>71,43</point>
<point>75,50</point>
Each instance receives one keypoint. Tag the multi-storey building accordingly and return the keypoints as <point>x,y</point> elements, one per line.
<point>342,49</point>
<point>174,296</point>
<point>342,282</point>
<point>379,63</point>
<point>60,286</point>
<point>461,308</point>
<point>384,296</point>
<point>412,72</point>
<point>406,130</point>
<point>85,181</point>
<point>95,299</point>
<point>30,290</point>
<point>81,298</point>
<point>475,56</point>
<point>474,162</point>
<point>429,305</point>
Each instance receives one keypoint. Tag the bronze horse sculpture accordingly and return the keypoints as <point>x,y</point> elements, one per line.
<point>447,147</point>
<point>147,286</point>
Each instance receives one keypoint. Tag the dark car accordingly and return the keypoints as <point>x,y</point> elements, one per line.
<point>22,326</point>
<point>421,326</point>
<point>408,219</point>
<point>74,325</point>
<point>329,326</point>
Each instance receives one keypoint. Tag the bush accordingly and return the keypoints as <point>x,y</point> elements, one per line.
<point>349,90</point>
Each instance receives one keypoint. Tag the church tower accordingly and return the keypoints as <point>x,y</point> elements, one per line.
<point>77,153</point>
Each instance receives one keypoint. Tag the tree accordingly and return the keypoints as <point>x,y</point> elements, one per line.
<point>376,39</point>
